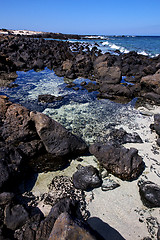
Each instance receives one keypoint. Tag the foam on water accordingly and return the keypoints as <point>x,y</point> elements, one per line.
<point>115,47</point>
<point>143,53</point>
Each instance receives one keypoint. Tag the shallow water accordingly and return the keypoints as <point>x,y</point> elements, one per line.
<point>79,111</point>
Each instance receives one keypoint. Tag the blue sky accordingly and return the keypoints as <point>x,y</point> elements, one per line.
<point>138,17</point>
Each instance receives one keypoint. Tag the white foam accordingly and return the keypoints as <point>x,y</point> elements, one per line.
<point>114,46</point>
<point>143,53</point>
<point>105,43</point>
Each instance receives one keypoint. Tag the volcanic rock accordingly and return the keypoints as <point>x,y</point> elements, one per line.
<point>65,228</point>
<point>86,178</point>
<point>18,125</point>
<point>120,136</point>
<point>48,98</point>
<point>56,139</point>
<point>121,162</point>
<point>6,198</point>
<point>15,216</point>
<point>151,82</point>
<point>150,194</point>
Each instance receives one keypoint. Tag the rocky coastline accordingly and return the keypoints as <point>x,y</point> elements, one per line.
<point>32,142</point>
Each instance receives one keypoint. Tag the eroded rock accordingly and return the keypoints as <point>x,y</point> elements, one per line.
<point>120,161</point>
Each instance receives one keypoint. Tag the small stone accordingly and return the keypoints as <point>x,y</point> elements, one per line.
<point>86,178</point>
<point>150,194</point>
<point>109,184</point>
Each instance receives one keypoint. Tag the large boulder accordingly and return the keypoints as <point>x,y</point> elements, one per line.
<point>151,82</point>
<point>116,90</point>
<point>150,194</point>
<point>109,75</point>
<point>65,228</point>
<point>18,125</point>
<point>56,139</point>
<point>105,71</point>
<point>15,216</point>
<point>121,162</point>
<point>86,178</point>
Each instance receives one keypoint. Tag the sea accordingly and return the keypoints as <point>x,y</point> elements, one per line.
<point>145,45</point>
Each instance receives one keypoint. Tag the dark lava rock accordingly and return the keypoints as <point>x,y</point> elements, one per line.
<point>116,90</point>
<point>38,64</point>
<point>120,136</point>
<point>109,184</point>
<point>31,149</point>
<point>154,97</point>
<point>15,216</point>
<point>6,198</point>
<point>86,178</point>
<point>157,123</point>
<point>151,82</point>
<point>48,98</point>
<point>56,139</point>
<point>29,229</point>
<point>91,87</point>
<point>4,172</point>
<point>121,162</point>
<point>17,125</point>
<point>150,194</point>
<point>4,104</point>
<point>67,229</point>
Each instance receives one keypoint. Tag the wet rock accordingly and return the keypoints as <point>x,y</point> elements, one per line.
<point>109,184</point>
<point>91,87</point>
<point>56,139</point>
<point>17,125</point>
<point>15,216</point>
<point>83,83</point>
<point>116,90</point>
<point>48,98</point>
<point>6,198</point>
<point>86,178</point>
<point>150,194</point>
<point>120,136</point>
<point>65,228</point>
<point>121,162</point>
<point>70,85</point>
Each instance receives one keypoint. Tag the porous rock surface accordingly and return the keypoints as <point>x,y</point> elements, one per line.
<point>120,161</point>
